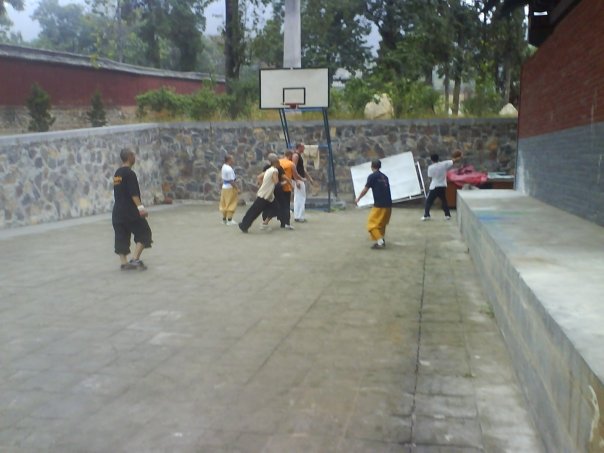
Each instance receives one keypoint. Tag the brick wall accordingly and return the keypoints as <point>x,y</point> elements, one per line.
<point>561,121</point>
<point>563,83</point>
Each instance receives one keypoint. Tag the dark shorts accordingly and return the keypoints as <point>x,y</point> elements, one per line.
<point>123,230</point>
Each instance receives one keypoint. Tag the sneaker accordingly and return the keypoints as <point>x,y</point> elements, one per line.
<point>424,218</point>
<point>300,220</point>
<point>242,229</point>
<point>224,221</point>
<point>231,222</point>
<point>128,267</point>
<point>377,246</point>
<point>289,227</point>
<point>447,217</point>
<point>138,264</point>
<point>264,227</point>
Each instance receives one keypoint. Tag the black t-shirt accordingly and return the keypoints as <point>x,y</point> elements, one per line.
<point>380,186</point>
<point>125,186</point>
<point>300,166</point>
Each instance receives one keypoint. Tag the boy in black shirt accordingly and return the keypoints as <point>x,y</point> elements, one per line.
<point>129,214</point>
<point>379,216</point>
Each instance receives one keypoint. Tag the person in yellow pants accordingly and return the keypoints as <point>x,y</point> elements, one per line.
<point>379,216</point>
<point>229,193</point>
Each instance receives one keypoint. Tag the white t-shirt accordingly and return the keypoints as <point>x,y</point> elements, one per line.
<point>267,189</point>
<point>438,173</point>
<point>228,174</point>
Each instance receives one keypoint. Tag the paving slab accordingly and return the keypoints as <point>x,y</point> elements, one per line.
<point>274,341</point>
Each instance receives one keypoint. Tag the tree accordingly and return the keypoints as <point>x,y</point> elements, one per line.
<point>178,21</point>
<point>96,115</point>
<point>16,4</point>
<point>38,106</point>
<point>6,35</point>
<point>334,35</point>
<point>63,27</point>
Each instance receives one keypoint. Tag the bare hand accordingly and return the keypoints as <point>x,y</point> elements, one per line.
<point>143,213</point>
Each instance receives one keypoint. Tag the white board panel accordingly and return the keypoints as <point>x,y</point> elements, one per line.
<point>402,175</point>
<point>307,87</point>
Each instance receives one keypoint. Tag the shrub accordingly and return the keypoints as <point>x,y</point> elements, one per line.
<point>485,100</point>
<point>164,99</point>
<point>357,93</point>
<point>38,106</point>
<point>205,104</point>
<point>96,115</point>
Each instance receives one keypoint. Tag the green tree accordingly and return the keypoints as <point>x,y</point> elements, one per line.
<point>96,115</point>
<point>16,4</point>
<point>178,21</point>
<point>334,35</point>
<point>6,35</point>
<point>38,106</point>
<point>63,27</point>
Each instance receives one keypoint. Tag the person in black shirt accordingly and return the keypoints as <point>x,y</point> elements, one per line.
<point>129,214</point>
<point>379,216</point>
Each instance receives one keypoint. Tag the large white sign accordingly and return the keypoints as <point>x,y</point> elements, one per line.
<point>402,175</point>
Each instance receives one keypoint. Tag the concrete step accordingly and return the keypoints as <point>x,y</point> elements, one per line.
<point>543,270</point>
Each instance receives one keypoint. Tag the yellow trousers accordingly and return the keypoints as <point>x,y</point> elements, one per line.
<point>377,221</point>
<point>228,202</point>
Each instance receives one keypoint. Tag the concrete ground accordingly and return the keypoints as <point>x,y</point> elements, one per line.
<point>272,341</point>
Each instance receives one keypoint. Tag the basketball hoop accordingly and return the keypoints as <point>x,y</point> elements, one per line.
<point>293,106</point>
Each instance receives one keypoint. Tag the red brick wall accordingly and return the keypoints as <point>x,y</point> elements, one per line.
<point>73,86</point>
<point>563,83</point>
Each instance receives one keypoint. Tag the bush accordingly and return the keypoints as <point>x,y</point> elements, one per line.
<point>96,115</point>
<point>38,106</point>
<point>357,93</point>
<point>163,100</point>
<point>205,104</point>
<point>485,100</point>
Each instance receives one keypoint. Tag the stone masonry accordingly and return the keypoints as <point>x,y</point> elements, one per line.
<point>59,175</point>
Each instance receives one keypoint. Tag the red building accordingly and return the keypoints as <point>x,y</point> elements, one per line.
<point>71,79</point>
<point>561,119</point>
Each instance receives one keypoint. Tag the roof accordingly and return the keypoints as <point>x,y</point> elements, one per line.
<point>544,15</point>
<point>86,61</point>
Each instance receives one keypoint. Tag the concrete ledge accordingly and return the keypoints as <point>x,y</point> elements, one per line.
<point>543,271</point>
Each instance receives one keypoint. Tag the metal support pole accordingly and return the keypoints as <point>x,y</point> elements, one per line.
<point>285,127</point>
<point>331,172</point>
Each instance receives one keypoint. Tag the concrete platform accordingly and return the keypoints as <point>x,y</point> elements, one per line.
<point>543,271</point>
<point>278,341</point>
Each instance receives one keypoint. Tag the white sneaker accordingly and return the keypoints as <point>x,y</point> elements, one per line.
<point>289,227</point>
<point>264,227</point>
<point>447,217</point>
<point>424,218</point>
<point>231,222</point>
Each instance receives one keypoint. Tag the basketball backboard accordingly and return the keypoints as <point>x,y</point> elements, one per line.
<point>280,88</point>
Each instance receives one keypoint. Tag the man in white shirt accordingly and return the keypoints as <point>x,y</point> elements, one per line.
<point>265,195</point>
<point>438,186</point>
<point>229,192</point>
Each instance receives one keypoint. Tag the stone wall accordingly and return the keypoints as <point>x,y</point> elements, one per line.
<point>57,175</point>
<point>193,152</point>
<point>60,175</point>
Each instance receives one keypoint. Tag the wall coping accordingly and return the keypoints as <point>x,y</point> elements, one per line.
<point>34,137</point>
<point>90,62</point>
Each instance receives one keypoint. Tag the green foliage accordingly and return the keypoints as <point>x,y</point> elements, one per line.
<point>16,4</point>
<point>38,106</point>
<point>485,100</point>
<point>357,93</point>
<point>165,100</point>
<point>205,104</point>
<point>96,115</point>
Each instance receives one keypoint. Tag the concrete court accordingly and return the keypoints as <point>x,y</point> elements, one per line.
<point>267,342</point>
